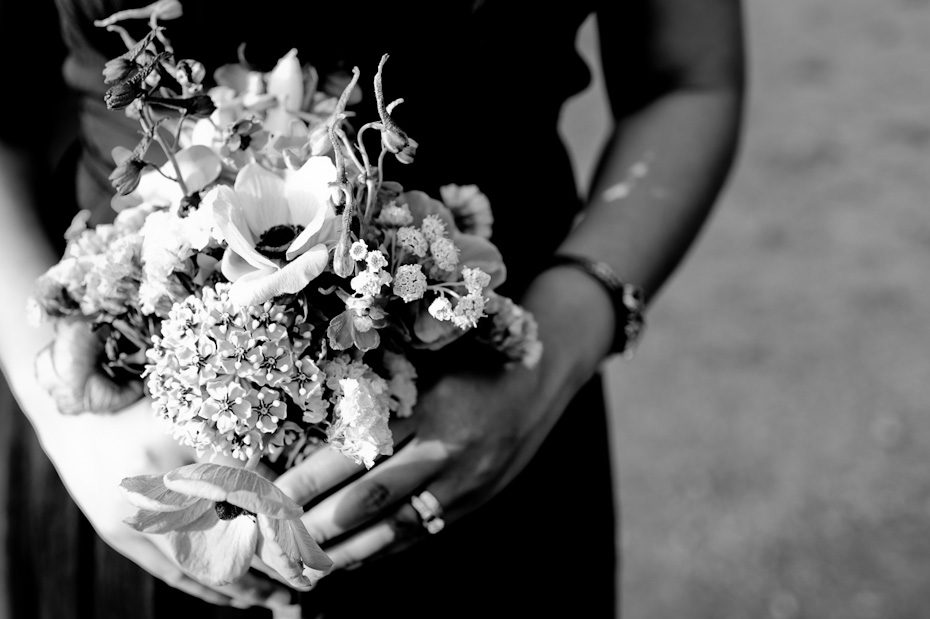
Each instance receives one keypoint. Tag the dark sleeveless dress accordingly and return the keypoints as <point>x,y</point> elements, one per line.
<point>484,83</point>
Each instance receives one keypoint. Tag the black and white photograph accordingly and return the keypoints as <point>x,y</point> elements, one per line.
<point>465,309</point>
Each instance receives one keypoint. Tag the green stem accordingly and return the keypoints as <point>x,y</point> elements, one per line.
<point>153,129</point>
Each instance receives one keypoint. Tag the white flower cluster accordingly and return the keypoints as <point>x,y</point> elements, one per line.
<point>468,309</point>
<point>410,282</point>
<point>362,404</point>
<point>224,377</point>
<point>395,215</point>
<point>169,243</point>
<point>369,282</point>
<point>99,274</point>
<point>413,241</point>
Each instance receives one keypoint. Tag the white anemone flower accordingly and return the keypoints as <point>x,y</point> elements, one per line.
<point>278,230</point>
<point>218,517</point>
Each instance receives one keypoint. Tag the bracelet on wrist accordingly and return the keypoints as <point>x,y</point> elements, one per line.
<point>629,302</point>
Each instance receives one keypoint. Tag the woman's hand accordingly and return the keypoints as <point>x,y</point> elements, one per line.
<point>468,437</point>
<point>93,452</point>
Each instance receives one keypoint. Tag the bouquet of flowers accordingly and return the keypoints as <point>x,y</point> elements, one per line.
<point>267,287</point>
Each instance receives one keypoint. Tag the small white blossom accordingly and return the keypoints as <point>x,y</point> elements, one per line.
<point>369,282</point>
<point>413,240</point>
<point>376,260</point>
<point>476,280</point>
<point>468,311</point>
<point>441,309</point>
<point>358,251</point>
<point>395,215</point>
<point>410,282</point>
<point>433,228</point>
<point>445,253</point>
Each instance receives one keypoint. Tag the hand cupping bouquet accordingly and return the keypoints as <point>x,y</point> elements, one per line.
<point>269,288</point>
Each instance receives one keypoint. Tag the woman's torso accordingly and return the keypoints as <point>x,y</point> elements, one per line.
<point>483,84</point>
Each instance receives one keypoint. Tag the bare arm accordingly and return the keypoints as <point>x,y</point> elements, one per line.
<point>25,255</point>
<point>675,135</point>
<point>682,138</point>
<point>682,116</point>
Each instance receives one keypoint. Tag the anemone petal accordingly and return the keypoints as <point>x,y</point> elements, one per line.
<point>308,189</point>
<point>235,266</point>
<point>224,201</point>
<point>287,547</point>
<point>259,286</point>
<point>262,202</point>
<point>146,521</point>
<point>214,551</point>
<point>149,492</point>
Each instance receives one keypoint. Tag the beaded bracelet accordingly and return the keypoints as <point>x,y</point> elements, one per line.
<point>628,300</point>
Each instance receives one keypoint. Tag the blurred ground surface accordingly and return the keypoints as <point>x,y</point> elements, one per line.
<point>773,430</point>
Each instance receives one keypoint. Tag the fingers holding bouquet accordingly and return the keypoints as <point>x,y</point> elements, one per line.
<point>469,436</point>
<point>275,294</point>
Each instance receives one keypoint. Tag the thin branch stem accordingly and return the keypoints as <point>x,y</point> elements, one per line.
<point>153,129</point>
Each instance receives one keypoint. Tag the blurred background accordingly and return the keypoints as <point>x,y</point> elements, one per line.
<point>773,430</point>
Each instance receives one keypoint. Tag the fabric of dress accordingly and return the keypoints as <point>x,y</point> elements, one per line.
<point>483,84</point>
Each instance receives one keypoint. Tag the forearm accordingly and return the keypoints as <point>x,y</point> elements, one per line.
<point>641,224</point>
<point>26,255</point>
<point>658,177</point>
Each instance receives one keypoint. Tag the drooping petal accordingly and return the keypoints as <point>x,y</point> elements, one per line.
<point>286,547</point>
<point>224,202</point>
<point>214,551</point>
<point>341,331</point>
<point>146,521</point>
<point>236,485</point>
<point>367,340</point>
<point>308,189</point>
<point>150,493</point>
<point>286,83</point>
<point>234,266</point>
<point>261,199</point>
<point>259,286</point>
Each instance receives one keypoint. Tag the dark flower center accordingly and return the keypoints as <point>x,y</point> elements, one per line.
<point>275,240</point>
<point>228,511</point>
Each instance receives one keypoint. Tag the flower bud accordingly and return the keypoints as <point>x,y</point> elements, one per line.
<point>397,142</point>
<point>189,73</point>
<point>127,174</point>
<point>201,106</point>
<point>343,265</point>
<point>198,106</point>
<point>122,94</point>
<point>118,69</point>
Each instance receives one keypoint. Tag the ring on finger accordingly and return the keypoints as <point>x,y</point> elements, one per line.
<point>429,510</point>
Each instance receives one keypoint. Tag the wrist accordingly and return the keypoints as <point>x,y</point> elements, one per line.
<point>627,299</point>
<point>576,321</point>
